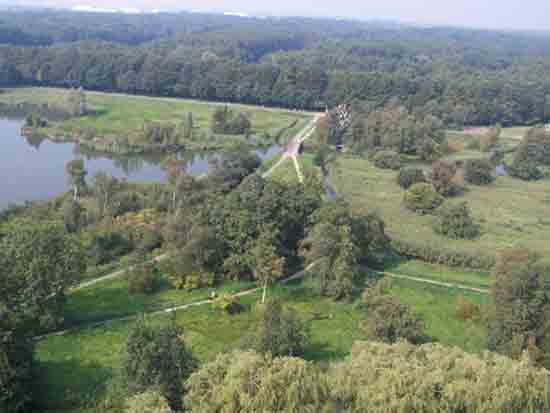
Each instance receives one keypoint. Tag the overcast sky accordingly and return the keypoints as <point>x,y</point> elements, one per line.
<point>513,14</point>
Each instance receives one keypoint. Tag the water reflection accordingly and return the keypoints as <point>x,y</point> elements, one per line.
<point>33,168</point>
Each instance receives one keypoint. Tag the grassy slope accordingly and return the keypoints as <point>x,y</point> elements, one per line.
<point>511,212</point>
<point>116,113</point>
<point>76,367</point>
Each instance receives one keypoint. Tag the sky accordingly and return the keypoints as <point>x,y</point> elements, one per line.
<point>502,14</point>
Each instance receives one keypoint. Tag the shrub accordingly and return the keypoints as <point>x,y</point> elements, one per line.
<point>409,176</point>
<point>192,281</point>
<point>478,171</point>
<point>106,246</point>
<point>466,310</point>
<point>387,160</point>
<point>526,170</point>
<point>490,138</point>
<point>436,254</point>
<point>422,198</point>
<point>228,303</point>
<point>388,319</point>
<point>442,178</point>
<point>455,221</point>
<point>147,402</point>
<point>156,357</point>
<point>142,279</point>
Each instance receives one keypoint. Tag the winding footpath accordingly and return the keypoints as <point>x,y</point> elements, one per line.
<point>293,148</point>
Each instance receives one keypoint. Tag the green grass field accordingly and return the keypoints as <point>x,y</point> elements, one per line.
<point>116,114</point>
<point>76,368</point>
<point>510,212</point>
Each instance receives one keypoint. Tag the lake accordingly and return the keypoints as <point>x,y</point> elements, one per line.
<point>34,169</point>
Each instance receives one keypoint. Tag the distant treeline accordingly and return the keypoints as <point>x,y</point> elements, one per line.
<point>461,76</point>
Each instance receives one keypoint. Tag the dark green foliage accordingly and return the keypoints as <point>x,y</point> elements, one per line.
<point>226,123</point>
<point>534,147</point>
<point>72,215</point>
<point>234,165</point>
<point>37,265</point>
<point>324,157</point>
<point>157,357</point>
<point>76,174</point>
<point>479,171</point>
<point>409,176</point>
<point>524,169</point>
<point>522,306</point>
<point>338,242</point>
<point>454,220</point>
<point>142,279</point>
<point>16,370</point>
<point>33,120</point>
<point>442,178</point>
<point>389,320</point>
<point>279,332</point>
<point>387,160</point>
<point>422,198</point>
<point>439,254</point>
<point>106,246</point>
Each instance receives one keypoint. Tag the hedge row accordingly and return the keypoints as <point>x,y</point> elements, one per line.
<point>446,256</point>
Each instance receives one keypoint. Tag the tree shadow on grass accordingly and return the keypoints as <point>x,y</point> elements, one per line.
<point>67,385</point>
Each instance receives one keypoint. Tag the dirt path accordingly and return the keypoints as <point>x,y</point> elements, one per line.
<point>433,282</point>
<point>293,148</point>
<point>169,310</point>
<point>110,276</point>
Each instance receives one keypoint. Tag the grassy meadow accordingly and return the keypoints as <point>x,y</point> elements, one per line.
<point>117,114</point>
<point>511,212</point>
<point>76,368</point>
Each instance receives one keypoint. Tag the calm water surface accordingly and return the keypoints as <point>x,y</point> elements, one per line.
<point>33,169</point>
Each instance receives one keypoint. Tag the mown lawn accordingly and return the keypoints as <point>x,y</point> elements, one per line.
<point>76,368</point>
<point>116,114</point>
<point>511,212</point>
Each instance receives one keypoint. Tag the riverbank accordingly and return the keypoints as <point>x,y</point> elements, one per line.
<point>128,124</point>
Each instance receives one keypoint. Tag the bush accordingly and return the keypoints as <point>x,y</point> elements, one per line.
<point>106,246</point>
<point>147,402</point>
<point>142,279</point>
<point>156,357</point>
<point>387,160</point>
<point>228,304</point>
<point>192,281</point>
<point>409,176</point>
<point>436,254</point>
<point>422,198</point>
<point>466,310</point>
<point>526,170</point>
<point>279,331</point>
<point>442,178</point>
<point>388,319</point>
<point>455,221</point>
<point>478,171</point>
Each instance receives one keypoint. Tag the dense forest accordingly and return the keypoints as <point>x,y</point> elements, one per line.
<point>461,76</point>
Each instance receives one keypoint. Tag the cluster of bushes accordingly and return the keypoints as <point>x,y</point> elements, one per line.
<point>192,281</point>
<point>409,176</point>
<point>143,278</point>
<point>387,160</point>
<point>225,122</point>
<point>454,220</point>
<point>422,198</point>
<point>228,303</point>
<point>479,171</point>
<point>436,254</point>
<point>388,319</point>
<point>34,120</point>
